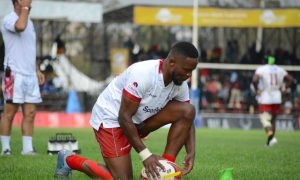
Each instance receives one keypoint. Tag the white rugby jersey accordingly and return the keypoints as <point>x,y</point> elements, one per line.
<point>20,47</point>
<point>142,82</point>
<point>270,82</point>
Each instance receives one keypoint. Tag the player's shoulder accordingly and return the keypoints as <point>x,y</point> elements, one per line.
<point>268,67</point>
<point>10,16</point>
<point>276,68</point>
<point>261,68</point>
<point>184,85</point>
<point>144,67</point>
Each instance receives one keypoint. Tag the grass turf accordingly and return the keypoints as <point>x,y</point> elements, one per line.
<point>216,149</point>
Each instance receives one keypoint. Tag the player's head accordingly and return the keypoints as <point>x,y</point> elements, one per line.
<point>270,60</point>
<point>183,59</point>
<point>14,1</point>
<point>16,4</point>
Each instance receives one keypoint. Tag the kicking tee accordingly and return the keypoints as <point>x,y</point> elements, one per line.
<point>142,82</point>
<point>270,83</point>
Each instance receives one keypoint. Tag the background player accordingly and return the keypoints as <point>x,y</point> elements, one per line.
<point>270,82</point>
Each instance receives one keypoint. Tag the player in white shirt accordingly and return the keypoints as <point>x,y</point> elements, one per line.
<point>22,77</point>
<point>270,82</point>
<point>145,97</point>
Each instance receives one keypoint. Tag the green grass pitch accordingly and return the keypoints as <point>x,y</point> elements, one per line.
<point>216,149</point>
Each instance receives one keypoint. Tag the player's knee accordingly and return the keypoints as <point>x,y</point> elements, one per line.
<point>29,116</point>
<point>8,117</point>
<point>189,112</point>
<point>265,119</point>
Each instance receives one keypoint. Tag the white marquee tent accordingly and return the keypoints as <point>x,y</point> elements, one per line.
<point>60,10</point>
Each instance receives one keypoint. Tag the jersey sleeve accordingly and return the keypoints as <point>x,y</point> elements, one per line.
<point>284,73</point>
<point>258,71</point>
<point>9,23</point>
<point>136,84</point>
<point>183,93</point>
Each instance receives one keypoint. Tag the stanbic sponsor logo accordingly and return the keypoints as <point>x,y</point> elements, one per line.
<point>268,17</point>
<point>164,15</point>
<point>149,110</point>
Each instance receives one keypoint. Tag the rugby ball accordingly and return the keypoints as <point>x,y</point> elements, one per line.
<point>172,171</point>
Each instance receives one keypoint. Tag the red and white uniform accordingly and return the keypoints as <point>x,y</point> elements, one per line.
<point>270,83</point>
<point>142,82</point>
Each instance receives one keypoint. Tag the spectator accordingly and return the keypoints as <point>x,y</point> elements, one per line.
<point>61,48</point>
<point>20,68</point>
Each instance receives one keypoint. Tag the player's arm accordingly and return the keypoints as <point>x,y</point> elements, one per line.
<point>127,109</point>
<point>40,75</point>
<point>255,81</point>
<point>21,23</point>
<point>190,150</point>
<point>288,80</point>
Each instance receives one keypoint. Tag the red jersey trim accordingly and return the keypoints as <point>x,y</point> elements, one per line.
<point>160,65</point>
<point>132,97</point>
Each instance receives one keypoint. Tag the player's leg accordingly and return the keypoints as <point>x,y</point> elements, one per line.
<point>29,87</point>
<point>273,123</point>
<point>120,167</point>
<point>275,110</point>
<point>9,86</point>
<point>29,110</point>
<point>181,116</point>
<point>67,161</point>
<point>266,120</point>
<point>115,150</point>
<point>10,110</point>
<point>271,138</point>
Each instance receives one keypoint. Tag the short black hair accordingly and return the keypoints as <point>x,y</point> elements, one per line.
<point>186,49</point>
<point>13,1</point>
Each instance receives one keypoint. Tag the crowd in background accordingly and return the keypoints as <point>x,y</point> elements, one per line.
<point>231,91</point>
<point>220,90</point>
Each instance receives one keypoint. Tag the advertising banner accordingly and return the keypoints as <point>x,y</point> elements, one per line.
<point>245,121</point>
<point>217,17</point>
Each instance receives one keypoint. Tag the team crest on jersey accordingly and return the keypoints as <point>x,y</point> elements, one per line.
<point>135,84</point>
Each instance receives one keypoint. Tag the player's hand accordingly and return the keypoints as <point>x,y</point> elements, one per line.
<point>284,90</point>
<point>188,163</point>
<point>151,165</point>
<point>41,77</point>
<point>258,92</point>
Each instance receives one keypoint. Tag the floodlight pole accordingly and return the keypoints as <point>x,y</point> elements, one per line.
<point>194,81</point>
<point>259,37</point>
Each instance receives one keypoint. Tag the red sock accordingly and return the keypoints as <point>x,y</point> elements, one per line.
<point>169,157</point>
<point>75,162</point>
